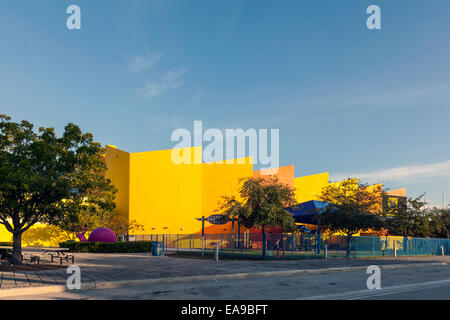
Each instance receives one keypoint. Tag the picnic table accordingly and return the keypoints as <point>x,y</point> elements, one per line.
<point>57,250</point>
<point>5,251</point>
<point>54,252</point>
<point>60,253</point>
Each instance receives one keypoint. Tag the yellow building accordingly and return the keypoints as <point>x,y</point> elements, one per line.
<point>41,235</point>
<point>166,197</point>
<point>310,187</point>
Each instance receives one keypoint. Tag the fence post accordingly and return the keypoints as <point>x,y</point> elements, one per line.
<point>357,247</point>
<point>442,250</point>
<point>216,254</point>
<point>203,245</point>
<point>190,242</point>
<point>395,250</point>
<point>373,246</point>
<point>294,241</point>
<point>177,242</point>
<point>326,251</point>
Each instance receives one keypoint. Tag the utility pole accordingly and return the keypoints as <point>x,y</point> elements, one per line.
<point>203,219</point>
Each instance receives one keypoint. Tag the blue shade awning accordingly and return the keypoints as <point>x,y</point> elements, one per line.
<point>302,228</point>
<point>304,212</point>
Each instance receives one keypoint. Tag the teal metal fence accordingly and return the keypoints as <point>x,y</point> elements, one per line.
<point>298,245</point>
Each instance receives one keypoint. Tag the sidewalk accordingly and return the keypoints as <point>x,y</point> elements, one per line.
<point>116,268</point>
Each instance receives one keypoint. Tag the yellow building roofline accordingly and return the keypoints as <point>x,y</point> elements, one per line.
<point>315,174</point>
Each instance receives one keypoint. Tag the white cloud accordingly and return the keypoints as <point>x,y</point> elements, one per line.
<point>197,97</point>
<point>401,174</point>
<point>139,63</point>
<point>171,80</point>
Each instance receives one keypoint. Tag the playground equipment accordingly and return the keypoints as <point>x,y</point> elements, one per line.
<point>98,235</point>
<point>81,235</point>
<point>102,235</point>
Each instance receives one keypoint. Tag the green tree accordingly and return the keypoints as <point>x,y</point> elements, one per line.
<point>49,179</point>
<point>414,220</point>
<point>122,225</point>
<point>351,208</point>
<point>263,205</point>
<point>441,222</point>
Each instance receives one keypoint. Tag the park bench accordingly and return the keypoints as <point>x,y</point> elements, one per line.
<point>66,257</point>
<point>32,257</point>
<point>35,258</point>
<point>58,253</point>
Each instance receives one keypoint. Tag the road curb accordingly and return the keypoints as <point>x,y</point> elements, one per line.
<point>4,293</point>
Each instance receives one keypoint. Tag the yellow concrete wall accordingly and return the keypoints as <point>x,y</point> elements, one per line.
<point>165,197</point>
<point>285,175</point>
<point>398,192</point>
<point>387,242</point>
<point>220,179</point>
<point>39,235</point>
<point>310,187</point>
<point>5,235</point>
<point>118,164</point>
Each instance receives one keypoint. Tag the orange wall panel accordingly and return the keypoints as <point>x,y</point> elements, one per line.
<point>284,175</point>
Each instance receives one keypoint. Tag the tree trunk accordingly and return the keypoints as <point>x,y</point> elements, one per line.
<point>349,245</point>
<point>17,249</point>
<point>264,242</point>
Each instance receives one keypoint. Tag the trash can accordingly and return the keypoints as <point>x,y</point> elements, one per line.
<point>156,248</point>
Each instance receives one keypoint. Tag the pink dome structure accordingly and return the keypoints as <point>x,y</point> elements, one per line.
<point>102,235</point>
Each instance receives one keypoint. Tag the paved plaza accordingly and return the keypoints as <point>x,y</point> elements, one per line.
<point>99,268</point>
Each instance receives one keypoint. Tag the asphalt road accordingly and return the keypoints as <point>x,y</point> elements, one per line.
<point>430,282</point>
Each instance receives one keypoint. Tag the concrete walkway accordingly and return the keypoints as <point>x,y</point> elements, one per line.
<point>100,268</point>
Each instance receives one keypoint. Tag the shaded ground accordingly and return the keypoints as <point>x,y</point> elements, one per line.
<point>421,283</point>
<point>29,267</point>
<point>100,267</point>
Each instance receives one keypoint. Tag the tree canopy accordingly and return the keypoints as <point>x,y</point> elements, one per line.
<point>49,179</point>
<point>352,207</point>
<point>263,205</point>
<point>418,220</point>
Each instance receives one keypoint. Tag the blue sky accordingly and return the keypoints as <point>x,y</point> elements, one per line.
<point>373,104</point>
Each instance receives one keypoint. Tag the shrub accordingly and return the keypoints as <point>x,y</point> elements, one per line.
<point>108,247</point>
